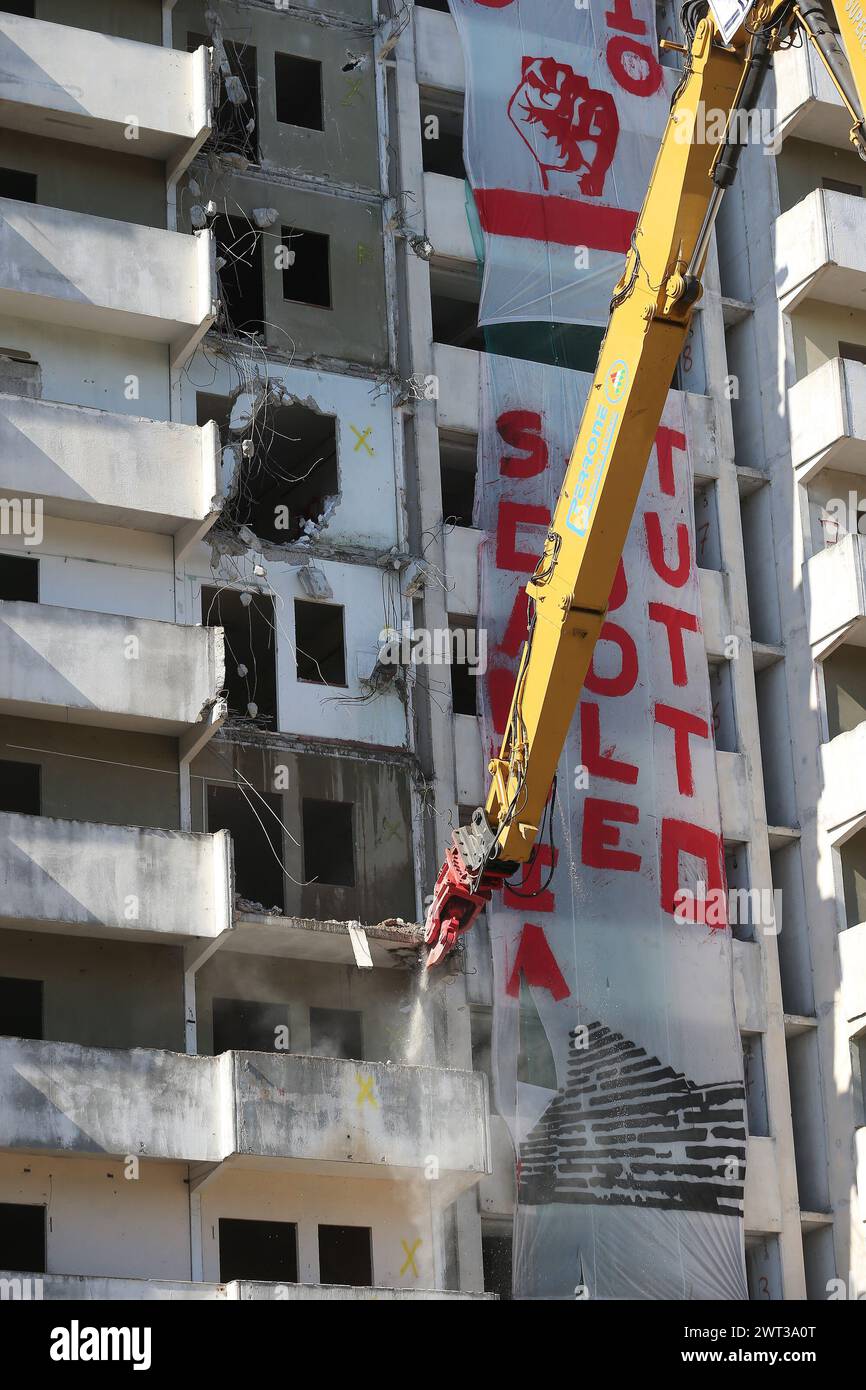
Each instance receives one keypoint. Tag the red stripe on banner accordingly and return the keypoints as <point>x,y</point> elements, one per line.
<point>564,221</point>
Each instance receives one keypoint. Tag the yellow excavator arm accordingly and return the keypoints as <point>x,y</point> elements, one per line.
<point>650,314</point>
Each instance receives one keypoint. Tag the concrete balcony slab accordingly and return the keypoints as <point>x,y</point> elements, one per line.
<point>74,84</point>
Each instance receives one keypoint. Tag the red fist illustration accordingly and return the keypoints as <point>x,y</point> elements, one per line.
<point>558,114</point>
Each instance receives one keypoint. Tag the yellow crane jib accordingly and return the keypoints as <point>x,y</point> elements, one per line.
<point>726,59</point>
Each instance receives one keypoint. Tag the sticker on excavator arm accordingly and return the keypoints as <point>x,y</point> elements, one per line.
<point>729,15</point>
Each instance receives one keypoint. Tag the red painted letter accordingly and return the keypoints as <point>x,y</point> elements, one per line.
<point>678,576</point>
<point>666,441</point>
<point>679,837</point>
<point>601,835</point>
<point>597,763</point>
<point>535,962</point>
<point>683,725</point>
<point>626,678</point>
<point>511,515</point>
<point>676,623</point>
<point>522,430</point>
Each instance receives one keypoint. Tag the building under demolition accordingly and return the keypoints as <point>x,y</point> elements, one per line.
<point>267,503</point>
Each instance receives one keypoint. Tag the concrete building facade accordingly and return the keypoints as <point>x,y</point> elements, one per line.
<point>239,404</point>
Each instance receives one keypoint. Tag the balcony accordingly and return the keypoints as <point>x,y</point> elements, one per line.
<point>81,878</point>
<point>318,1114</point>
<point>749,998</point>
<point>715,617</point>
<point>92,668</point>
<point>807,103</point>
<point>116,470</point>
<point>72,1288</point>
<point>836,595</point>
<point>821,251</point>
<point>735,796</point>
<point>458,408</point>
<point>446,220</point>
<point>842,803</point>
<point>333,943</point>
<point>459,376</point>
<point>762,1203</point>
<point>438,51</point>
<point>461,568</point>
<point>469,758</point>
<point>827,415</point>
<point>852,953</point>
<point>103,276</point>
<point>77,84</point>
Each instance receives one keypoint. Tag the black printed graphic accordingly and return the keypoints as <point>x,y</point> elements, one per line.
<point>627,1129</point>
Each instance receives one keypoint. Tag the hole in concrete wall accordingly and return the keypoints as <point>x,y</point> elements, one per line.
<point>807,1120</point>
<point>464,665</point>
<point>763,1268</point>
<point>20,1009</point>
<point>231,132</point>
<point>17,184</point>
<point>776,748</point>
<point>755,1077</point>
<point>496,1256</point>
<point>722,698</point>
<point>433,5</point>
<point>458,465</point>
<point>708,546</point>
<point>844,673</point>
<point>19,374</point>
<point>298,87</point>
<point>320,643</point>
<point>795,960</point>
<point>265,1250</point>
<point>246,1025</point>
<point>336,1033</point>
<point>216,408</point>
<point>308,279</point>
<point>760,562</point>
<point>242,295</point>
<point>19,579</point>
<point>852,857</point>
<point>329,842</point>
<point>739,881</point>
<point>346,1256</point>
<point>250,650</point>
<point>454,298</point>
<point>287,484</point>
<point>21,788</point>
<point>819,1260</point>
<point>22,1238</point>
<point>257,840</point>
<point>27,9</point>
<point>442,135</point>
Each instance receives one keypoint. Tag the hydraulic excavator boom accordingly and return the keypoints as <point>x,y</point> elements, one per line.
<point>726,59</point>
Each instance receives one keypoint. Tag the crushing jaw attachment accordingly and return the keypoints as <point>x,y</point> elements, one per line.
<point>464,887</point>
